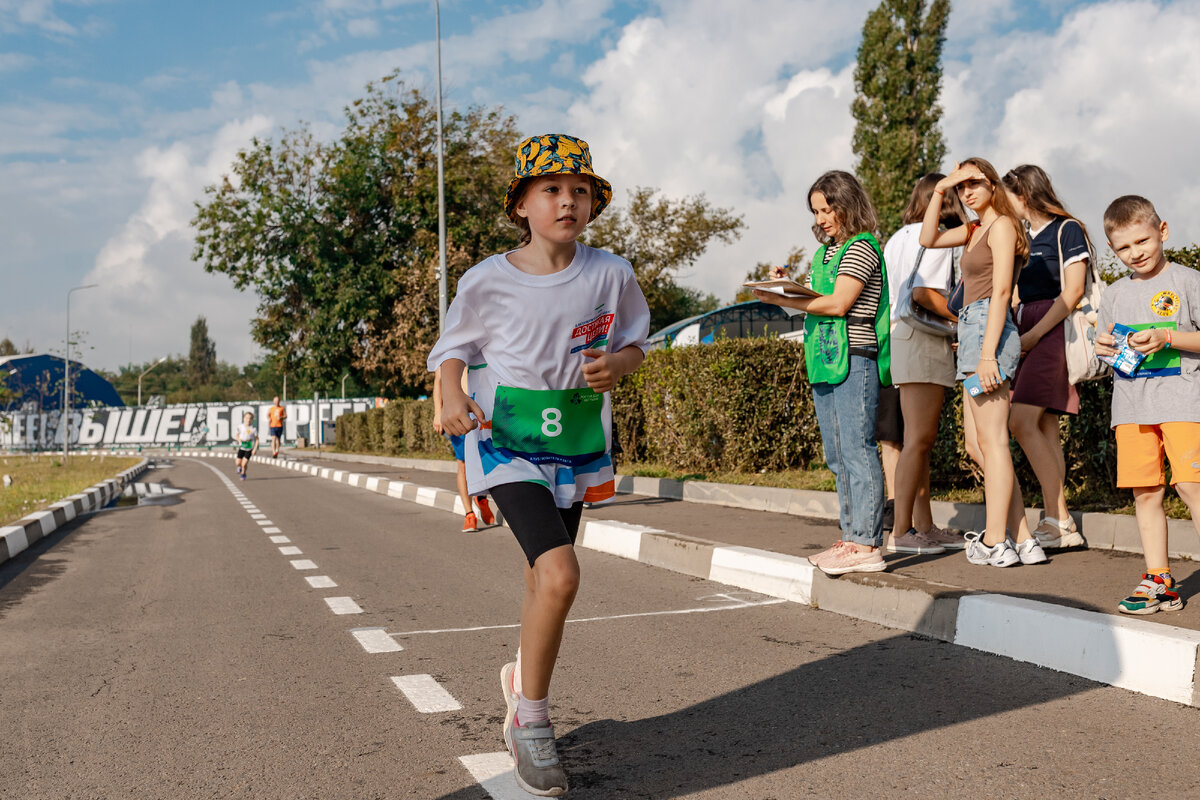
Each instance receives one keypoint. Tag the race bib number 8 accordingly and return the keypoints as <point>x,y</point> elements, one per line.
<point>559,425</point>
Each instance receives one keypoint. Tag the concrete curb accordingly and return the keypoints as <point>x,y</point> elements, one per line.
<point>1138,655</point>
<point>1103,531</point>
<point>40,524</point>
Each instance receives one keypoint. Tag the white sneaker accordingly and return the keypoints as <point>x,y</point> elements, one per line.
<point>1031,552</point>
<point>1054,536</point>
<point>1000,555</point>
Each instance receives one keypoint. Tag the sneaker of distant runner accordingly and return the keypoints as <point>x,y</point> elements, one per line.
<point>1155,593</point>
<point>850,559</point>
<point>510,692</point>
<point>1000,555</point>
<point>1031,552</point>
<point>485,511</point>
<point>1053,535</point>
<point>470,524</point>
<point>535,758</point>
<point>913,542</point>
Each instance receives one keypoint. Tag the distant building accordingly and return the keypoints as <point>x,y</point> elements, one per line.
<point>35,385</point>
<point>753,318</point>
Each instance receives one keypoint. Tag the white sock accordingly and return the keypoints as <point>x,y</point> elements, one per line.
<point>529,711</point>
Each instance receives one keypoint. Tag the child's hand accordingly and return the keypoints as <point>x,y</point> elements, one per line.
<point>1149,341</point>
<point>457,409</point>
<point>600,373</point>
<point>1104,343</point>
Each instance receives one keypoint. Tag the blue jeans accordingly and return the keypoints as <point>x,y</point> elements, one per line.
<point>846,414</point>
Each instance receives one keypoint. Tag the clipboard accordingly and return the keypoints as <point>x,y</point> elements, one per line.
<point>783,286</point>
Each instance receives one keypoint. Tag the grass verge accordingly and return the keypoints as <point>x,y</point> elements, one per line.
<point>40,481</point>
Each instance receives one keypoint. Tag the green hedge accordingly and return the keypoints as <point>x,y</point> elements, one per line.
<point>744,405</point>
<point>400,427</point>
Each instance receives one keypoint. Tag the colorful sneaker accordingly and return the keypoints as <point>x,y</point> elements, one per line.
<point>826,554</point>
<point>470,525</point>
<point>851,559</point>
<point>1000,555</point>
<point>510,692</point>
<point>535,758</point>
<point>1053,536</point>
<point>242,476</point>
<point>1154,593</point>
<point>1031,552</point>
<point>951,540</point>
<point>485,511</point>
<point>913,542</point>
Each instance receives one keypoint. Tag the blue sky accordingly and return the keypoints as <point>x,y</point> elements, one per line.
<point>114,114</point>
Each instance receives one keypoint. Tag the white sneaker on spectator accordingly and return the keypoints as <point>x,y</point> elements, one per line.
<point>999,555</point>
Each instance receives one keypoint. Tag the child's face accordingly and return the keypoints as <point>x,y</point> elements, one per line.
<point>1140,246</point>
<point>826,218</point>
<point>557,207</point>
<point>247,418</point>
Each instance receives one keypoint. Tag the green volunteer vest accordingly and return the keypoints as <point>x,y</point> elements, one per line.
<point>826,340</point>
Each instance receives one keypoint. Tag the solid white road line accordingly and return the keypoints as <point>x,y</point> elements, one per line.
<point>280,540</point>
<point>343,605</point>
<point>426,694</point>
<point>291,550</point>
<point>320,582</point>
<point>493,772</point>
<point>303,563</point>
<point>375,640</point>
<point>704,610</point>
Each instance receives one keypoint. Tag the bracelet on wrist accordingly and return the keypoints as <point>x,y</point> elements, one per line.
<point>981,358</point>
<point>1168,344</point>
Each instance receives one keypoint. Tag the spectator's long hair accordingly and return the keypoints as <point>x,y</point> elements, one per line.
<point>953,213</point>
<point>1031,183</point>
<point>849,201</point>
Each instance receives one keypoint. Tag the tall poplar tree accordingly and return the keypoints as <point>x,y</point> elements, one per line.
<point>897,135</point>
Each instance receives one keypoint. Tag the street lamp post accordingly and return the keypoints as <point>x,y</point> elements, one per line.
<point>442,290</point>
<point>347,375</point>
<point>147,369</point>
<point>66,409</point>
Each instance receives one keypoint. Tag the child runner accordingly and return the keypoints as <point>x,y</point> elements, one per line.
<point>1157,409</point>
<point>276,414</point>
<point>550,328</point>
<point>1042,389</point>
<point>988,348</point>
<point>245,442</point>
<point>847,357</point>
<point>922,368</point>
<point>470,523</point>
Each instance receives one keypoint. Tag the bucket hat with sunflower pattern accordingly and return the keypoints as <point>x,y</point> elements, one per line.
<point>555,154</point>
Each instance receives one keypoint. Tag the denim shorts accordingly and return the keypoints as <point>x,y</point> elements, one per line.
<point>972,323</point>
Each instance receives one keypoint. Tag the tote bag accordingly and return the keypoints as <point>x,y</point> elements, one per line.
<point>1079,328</point>
<point>917,316</point>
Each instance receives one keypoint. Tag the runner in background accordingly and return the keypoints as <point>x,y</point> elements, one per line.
<point>245,440</point>
<point>276,414</point>
<point>470,522</point>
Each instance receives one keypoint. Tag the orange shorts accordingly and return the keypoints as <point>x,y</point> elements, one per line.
<point>1140,450</point>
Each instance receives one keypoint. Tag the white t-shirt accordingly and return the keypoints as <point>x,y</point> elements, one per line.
<point>527,332</point>
<point>245,436</point>
<point>900,254</point>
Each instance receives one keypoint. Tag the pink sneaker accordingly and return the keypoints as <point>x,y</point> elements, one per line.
<point>851,559</point>
<point>913,542</point>
<point>825,555</point>
<point>947,539</point>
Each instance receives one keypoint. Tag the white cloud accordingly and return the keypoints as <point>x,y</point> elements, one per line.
<point>363,28</point>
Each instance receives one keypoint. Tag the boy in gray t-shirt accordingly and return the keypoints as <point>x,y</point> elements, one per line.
<point>1155,409</point>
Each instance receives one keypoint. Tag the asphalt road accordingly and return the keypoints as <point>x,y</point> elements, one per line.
<point>173,651</point>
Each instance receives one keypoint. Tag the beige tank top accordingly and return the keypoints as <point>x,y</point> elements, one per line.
<point>977,265</point>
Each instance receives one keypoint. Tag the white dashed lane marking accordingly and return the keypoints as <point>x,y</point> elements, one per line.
<point>280,540</point>
<point>342,605</point>
<point>303,563</point>
<point>426,694</point>
<point>271,530</point>
<point>321,582</point>
<point>375,640</point>
<point>291,550</point>
<point>264,522</point>
<point>493,772</point>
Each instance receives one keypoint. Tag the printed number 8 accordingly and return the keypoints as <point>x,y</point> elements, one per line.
<point>551,422</point>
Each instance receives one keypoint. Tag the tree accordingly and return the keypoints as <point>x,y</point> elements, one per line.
<point>202,356</point>
<point>339,240</point>
<point>660,237</point>
<point>1188,256</point>
<point>7,348</point>
<point>897,135</point>
<point>762,271</point>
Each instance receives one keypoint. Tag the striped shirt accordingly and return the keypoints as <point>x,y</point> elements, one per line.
<point>862,263</point>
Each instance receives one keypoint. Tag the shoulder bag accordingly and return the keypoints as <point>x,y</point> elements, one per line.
<point>1079,328</point>
<point>917,316</point>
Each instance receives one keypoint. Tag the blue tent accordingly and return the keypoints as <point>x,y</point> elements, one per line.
<point>36,384</point>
